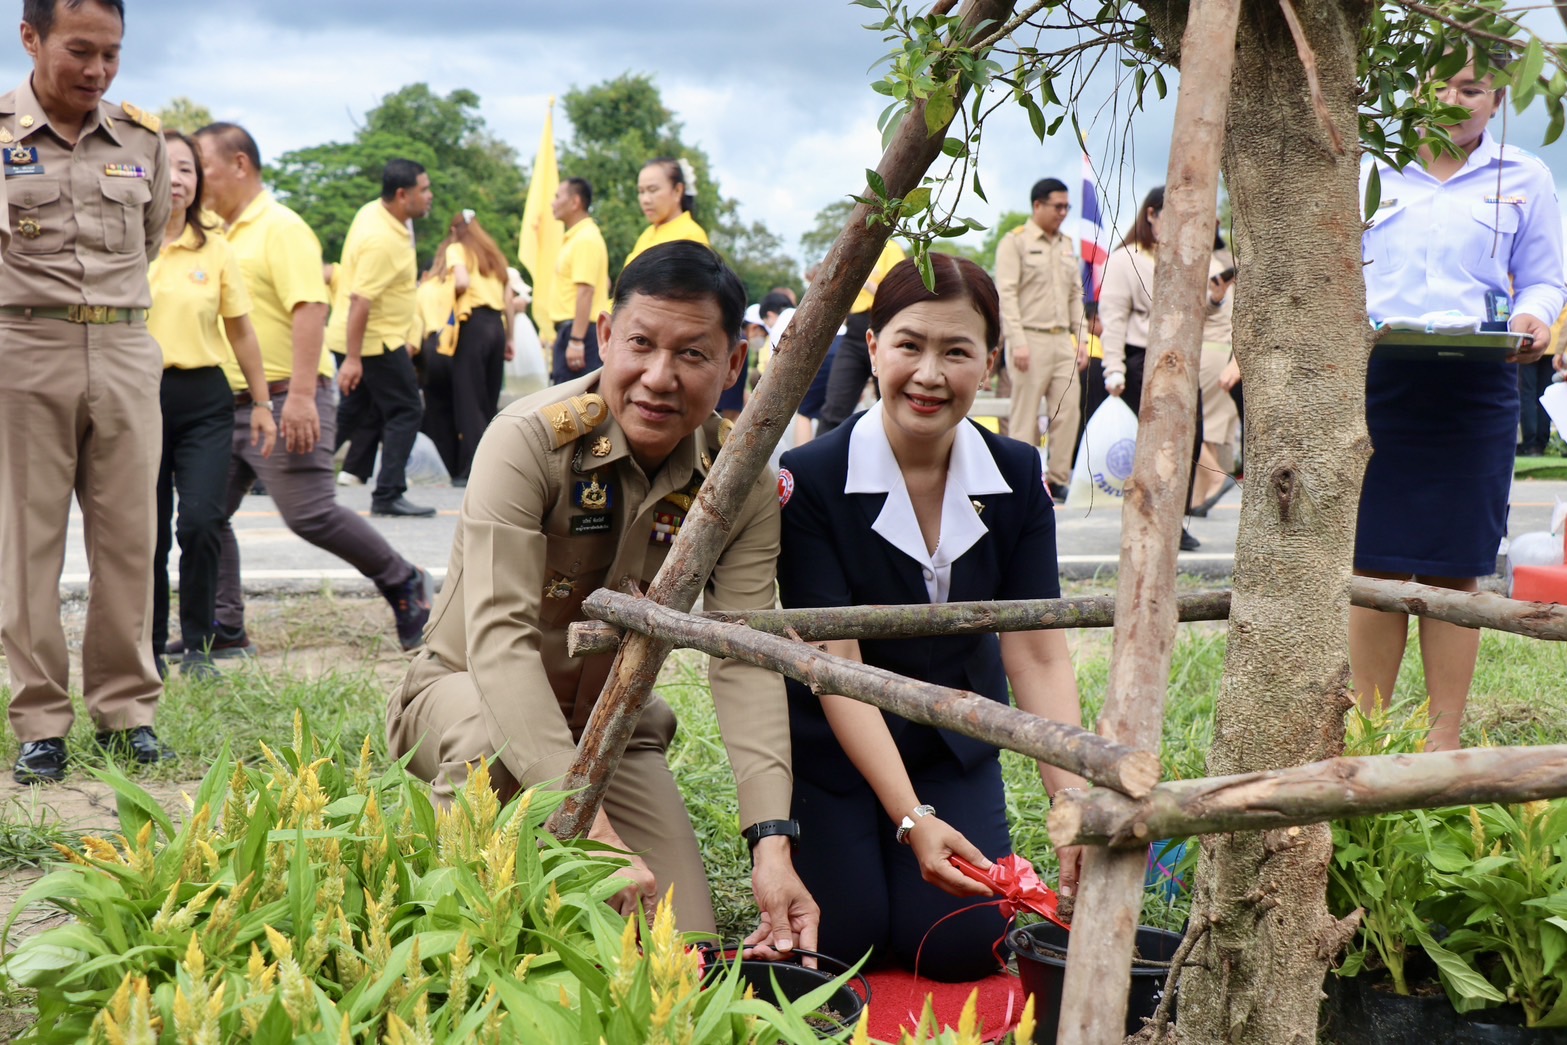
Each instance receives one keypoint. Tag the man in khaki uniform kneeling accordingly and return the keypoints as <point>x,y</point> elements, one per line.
<point>582,486</point>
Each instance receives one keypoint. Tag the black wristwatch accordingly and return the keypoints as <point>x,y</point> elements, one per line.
<point>790,829</point>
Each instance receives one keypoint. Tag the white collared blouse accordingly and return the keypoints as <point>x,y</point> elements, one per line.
<point>1493,226</point>
<point>971,473</point>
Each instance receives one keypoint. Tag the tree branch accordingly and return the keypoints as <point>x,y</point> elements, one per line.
<point>1308,61</point>
<point>1328,790</point>
<point>1069,747</point>
<point>1469,609</point>
<point>586,638</point>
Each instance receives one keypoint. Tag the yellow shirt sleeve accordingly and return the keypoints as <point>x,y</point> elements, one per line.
<point>294,262</point>
<point>456,255</point>
<point>233,298</point>
<point>589,259</point>
<point>377,268</point>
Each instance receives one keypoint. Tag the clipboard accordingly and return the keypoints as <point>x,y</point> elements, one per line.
<point>1485,346</point>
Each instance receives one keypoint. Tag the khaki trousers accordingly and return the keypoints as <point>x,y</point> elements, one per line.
<point>78,413</point>
<point>1051,378</point>
<point>444,727</point>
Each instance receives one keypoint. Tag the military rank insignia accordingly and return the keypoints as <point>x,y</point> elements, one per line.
<point>559,588</point>
<point>601,446</point>
<point>21,159</point>
<point>593,495</point>
<point>666,527</point>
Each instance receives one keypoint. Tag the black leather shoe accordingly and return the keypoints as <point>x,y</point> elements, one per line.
<point>198,667</point>
<point>411,606</point>
<point>1058,493</point>
<point>41,762</point>
<point>1188,542</point>
<point>223,647</point>
<point>138,745</point>
<point>402,508</point>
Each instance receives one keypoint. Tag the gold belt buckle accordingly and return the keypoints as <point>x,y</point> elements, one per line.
<point>90,314</point>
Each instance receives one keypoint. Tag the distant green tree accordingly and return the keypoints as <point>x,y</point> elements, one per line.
<point>620,124</point>
<point>184,115</point>
<point>985,253</point>
<point>815,243</point>
<point>469,168</point>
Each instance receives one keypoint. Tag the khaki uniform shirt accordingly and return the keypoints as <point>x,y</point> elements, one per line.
<point>85,220</point>
<point>1040,283</point>
<point>557,507</point>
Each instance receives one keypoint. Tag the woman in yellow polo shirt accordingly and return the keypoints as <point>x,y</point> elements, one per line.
<point>463,381</point>
<point>666,191</point>
<point>198,297</point>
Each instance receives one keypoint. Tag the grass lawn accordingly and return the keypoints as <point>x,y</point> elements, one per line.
<point>331,657</point>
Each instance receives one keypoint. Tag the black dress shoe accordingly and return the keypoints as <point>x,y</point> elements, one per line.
<point>138,745</point>
<point>41,762</point>
<point>1058,493</point>
<point>1188,542</point>
<point>402,507</point>
<point>411,607</point>
<point>224,647</point>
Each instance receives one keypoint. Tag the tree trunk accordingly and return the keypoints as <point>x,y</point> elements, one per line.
<point>1302,340</point>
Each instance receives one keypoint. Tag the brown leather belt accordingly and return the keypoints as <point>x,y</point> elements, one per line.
<point>275,389</point>
<point>94,314</point>
<point>1048,330</point>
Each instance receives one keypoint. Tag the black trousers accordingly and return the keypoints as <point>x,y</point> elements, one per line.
<point>1533,379</point>
<point>390,389</point>
<point>462,391</point>
<point>198,426</point>
<point>851,368</point>
<point>364,444</point>
<point>869,887</point>
<point>559,372</point>
<point>1132,396</point>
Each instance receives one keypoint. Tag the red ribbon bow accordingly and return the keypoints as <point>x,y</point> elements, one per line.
<point>1019,886</point>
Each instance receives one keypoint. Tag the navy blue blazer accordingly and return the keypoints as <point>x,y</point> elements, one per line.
<point>830,556</point>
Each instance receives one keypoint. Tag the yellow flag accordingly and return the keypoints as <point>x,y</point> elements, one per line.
<point>539,244</point>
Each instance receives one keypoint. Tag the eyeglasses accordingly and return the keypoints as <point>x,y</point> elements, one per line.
<point>1062,207</point>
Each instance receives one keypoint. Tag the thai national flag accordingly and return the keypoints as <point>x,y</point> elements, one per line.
<point>1093,235</point>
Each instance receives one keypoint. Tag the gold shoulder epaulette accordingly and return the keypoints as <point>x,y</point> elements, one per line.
<point>1019,230</point>
<point>725,426</point>
<point>142,117</point>
<point>570,419</point>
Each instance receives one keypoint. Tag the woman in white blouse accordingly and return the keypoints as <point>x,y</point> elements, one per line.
<point>911,502</point>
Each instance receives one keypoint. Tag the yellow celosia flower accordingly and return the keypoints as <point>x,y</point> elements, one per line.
<point>968,1020</point>
<point>1025,1023</point>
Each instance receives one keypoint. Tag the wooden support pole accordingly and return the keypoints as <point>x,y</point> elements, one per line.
<point>585,638</point>
<point>1070,747</point>
<point>1099,957</point>
<point>1328,790</point>
<point>706,530</point>
<point>1471,609</point>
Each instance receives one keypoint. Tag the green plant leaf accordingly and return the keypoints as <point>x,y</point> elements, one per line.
<point>1373,192</point>
<point>940,107</point>
<point>1463,983</point>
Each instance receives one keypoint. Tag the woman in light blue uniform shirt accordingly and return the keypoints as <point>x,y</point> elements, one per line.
<point>1449,232</point>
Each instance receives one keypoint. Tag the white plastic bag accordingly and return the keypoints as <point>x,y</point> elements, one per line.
<point>1537,548</point>
<point>527,367</point>
<point>1104,457</point>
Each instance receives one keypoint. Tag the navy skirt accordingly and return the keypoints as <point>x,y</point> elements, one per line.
<point>1443,435</point>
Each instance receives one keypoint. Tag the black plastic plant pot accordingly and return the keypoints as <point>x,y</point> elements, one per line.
<point>1041,962</point>
<point>1362,1010</point>
<point>839,1013</point>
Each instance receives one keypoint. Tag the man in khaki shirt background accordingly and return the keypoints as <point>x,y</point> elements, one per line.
<point>1041,288</point>
<point>582,486</point>
<point>377,284</point>
<point>281,261</point>
<point>88,187</point>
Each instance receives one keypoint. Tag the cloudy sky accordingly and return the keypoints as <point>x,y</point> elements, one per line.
<point>777,94</point>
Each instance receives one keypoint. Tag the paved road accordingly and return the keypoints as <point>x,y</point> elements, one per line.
<point>1089,542</point>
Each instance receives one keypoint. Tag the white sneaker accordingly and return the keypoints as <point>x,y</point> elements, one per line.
<point>349,479</point>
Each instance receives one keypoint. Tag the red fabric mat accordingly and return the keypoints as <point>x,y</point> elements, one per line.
<point>897,999</point>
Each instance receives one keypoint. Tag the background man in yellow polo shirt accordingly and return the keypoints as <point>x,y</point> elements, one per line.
<point>581,290</point>
<point>376,287</point>
<point>281,261</point>
<point>851,365</point>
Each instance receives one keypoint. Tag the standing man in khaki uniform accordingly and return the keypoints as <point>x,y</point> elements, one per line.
<point>583,486</point>
<point>88,186</point>
<point>1041,288</point>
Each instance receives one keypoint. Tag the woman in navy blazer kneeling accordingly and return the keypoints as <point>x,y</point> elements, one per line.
<point>910,502</point>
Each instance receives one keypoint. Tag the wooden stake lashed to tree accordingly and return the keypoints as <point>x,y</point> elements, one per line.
<point>922,621</point>
<point>802,348</point>
<point>1070,747</point>
<point>1099,958</point>
<point>1310,794</point>
<point>1470,609</point>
